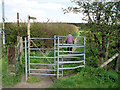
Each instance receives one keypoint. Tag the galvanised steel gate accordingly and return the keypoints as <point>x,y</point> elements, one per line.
<point>52,61</point>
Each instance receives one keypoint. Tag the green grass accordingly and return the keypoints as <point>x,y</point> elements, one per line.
<point>32,79</point>
<point>10,80</point>
<point>89,77</point>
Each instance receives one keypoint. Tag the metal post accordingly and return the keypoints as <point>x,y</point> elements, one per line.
<point>62,57</point>
<point>84,51</point>
<point>29,55</point>
<point>0,60</point>
<point>28,30</point>
<point>18,23</point>
<point>25,59</point>
<point>58,60</point>
<point>54,51</point>
<point>3,18</point>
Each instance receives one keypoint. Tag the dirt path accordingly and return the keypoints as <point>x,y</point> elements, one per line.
<point>44,83</point>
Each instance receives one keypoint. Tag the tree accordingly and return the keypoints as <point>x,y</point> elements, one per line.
<point>103,21</point>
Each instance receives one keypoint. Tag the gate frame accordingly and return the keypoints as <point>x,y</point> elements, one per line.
<point>64,62</point>
<point>56,49</point>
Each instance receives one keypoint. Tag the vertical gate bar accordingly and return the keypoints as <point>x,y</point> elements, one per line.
<point>84,51</point>
<point>62,57</point>
<point>25,58</point>
<point>58,60</point>
<point>54,51</point>
<point>29,55</point>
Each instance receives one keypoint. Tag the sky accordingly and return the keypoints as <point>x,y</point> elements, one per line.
<point>43,10</point>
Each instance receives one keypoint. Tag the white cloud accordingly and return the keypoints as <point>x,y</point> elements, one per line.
<point>41,9</point>
<point>54,1</point>
<point>52,6</point>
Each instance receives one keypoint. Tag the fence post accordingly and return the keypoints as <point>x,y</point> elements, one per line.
<point>62,56</point>
<point>21,49</point>
<point>58,60</point>
<point>11,62</point>
<point>25,59</point>
<point>54,51</point>
<point>84,51</point>
<point>29,55</point>
<point>0,59</point>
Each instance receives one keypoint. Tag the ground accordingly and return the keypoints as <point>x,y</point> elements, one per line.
<point>45,82</point>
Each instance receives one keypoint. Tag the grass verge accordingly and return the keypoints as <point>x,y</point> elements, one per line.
<point>10,80</point>
<point>89,77</point>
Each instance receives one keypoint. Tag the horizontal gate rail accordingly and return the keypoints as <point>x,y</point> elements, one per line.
<point>41,48</point>
<point>44,38</point>
<point>64,62</point>
<point>42,64</point>
<point>42,70</point>
<point>73,36</point>
<point>43,74</point>
<point>70,55</point>
<point>70,51</point>
<point>72,46</point>
<point>71,67</point>
<point>40,57</point>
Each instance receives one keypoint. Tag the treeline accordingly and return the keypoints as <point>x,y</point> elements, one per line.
<point>37,29</point>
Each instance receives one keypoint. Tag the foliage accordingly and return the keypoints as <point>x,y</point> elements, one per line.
<point>103,33</point>
<point>89,77</point>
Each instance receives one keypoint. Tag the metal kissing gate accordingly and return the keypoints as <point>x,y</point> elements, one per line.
<point>52,60</point>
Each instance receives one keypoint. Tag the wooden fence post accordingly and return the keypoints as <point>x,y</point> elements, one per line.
<point>11,67</point>
<point>21,49</point>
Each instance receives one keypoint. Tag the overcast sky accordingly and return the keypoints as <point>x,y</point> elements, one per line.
<point>41,9</point>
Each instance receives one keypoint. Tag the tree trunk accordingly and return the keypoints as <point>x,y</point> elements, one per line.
<point>109,60</point>
<point>106,53</point>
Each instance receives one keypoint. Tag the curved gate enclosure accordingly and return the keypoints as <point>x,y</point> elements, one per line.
<point>49,56</point>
